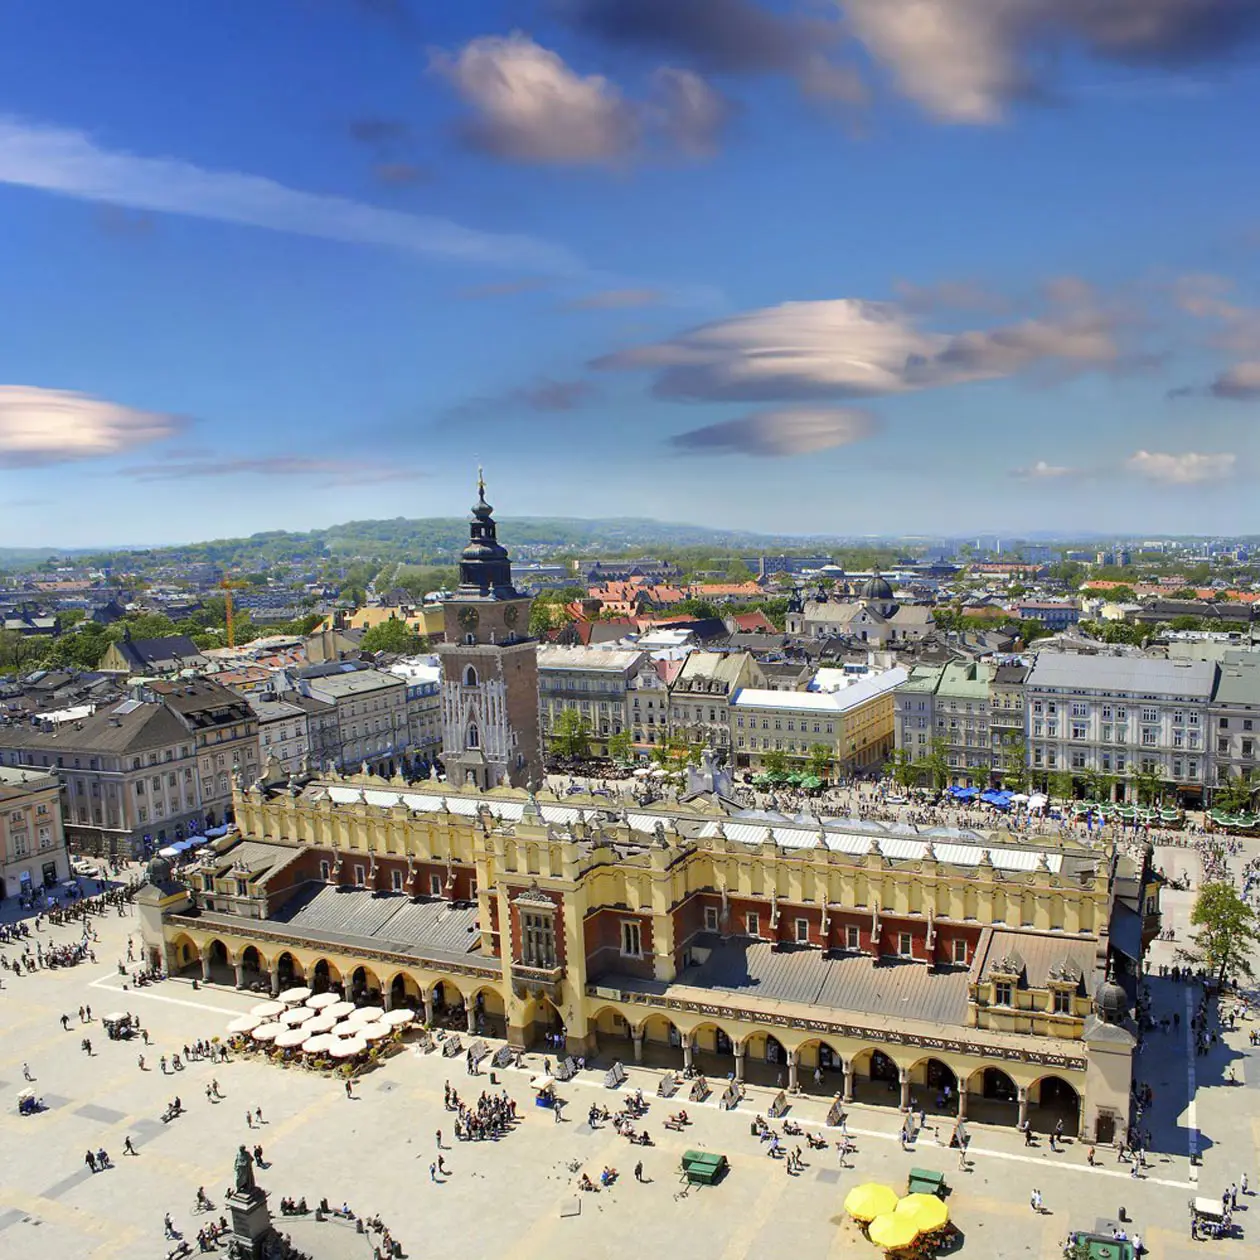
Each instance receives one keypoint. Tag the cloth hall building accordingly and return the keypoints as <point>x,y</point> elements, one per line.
<point>971,973</point>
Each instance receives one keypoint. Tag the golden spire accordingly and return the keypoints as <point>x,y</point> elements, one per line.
<point>481,483</point>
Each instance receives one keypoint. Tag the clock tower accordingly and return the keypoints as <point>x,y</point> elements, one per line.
<point>489,668</point>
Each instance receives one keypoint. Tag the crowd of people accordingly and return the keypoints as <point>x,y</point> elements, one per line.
<point>490,1117</point>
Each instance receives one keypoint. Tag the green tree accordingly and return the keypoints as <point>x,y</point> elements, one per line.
<point>1187,623</point>
<point>621,747</point>
<point>1184,592</point>
<point>1014,763</point>
<point>935,766</point>
<point>1227,930</point>
<point>149,625</point>
<point>774,761</point>
<point>1150,786</point>
<point>820,760</point>
<point>20,652</point>
<point>392,635</point>
<point>1062,785</point>
<point>571,736</point>
<point>902,768</point>
<point>1236,796</point>
<point>1120,595</point>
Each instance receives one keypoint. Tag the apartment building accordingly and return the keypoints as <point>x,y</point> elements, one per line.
<point>32,838</point>
<point>370,708</point>
<point>700,695</point>
<point>283,732</point>
<point>1234,719</point>
<point>854,723</point>
<point>423,676</point>
<point>1122,716</point>
<point>596,682</point>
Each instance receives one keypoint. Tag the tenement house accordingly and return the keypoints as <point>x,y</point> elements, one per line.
<point>370,711</point>
<point>32,840</point>
<point>1235,719</point>
<point>593,682</point>
<point>880,966</point>
<point>1122,716</point>
<point>947,707</point>
<point>854,724</point>
<point>700,696</point>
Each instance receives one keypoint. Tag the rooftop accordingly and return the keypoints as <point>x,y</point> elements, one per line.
<point>850,697</point>
<point>1142,675</point>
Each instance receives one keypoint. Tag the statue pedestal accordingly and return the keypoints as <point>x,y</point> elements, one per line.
<point>251,1223</point>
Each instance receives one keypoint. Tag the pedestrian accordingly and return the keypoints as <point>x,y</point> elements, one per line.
<point>249,1118</point>
<point>1089,1156</point>
<point>258,1157</point>
<point>258,1115</point>
<point>128,1149</point>
<point>438,1136</point>
<point>87,1047</point>
<point>80,1014</point>
<point>89,1014</point>
<point>141,1061</point>
<point>433,1172</point>
<point>1242,1183</point>
<point>1137,1244</point>
<point>168,1226</point>
<point>349,1093</point>
<point>90,1160</point>
<point>1133,1170</point>
<point>441,1163</point>
<point>65,1023</point>
<point>209,1095</point>
<point>26,1072</point>
<point>1233,1198</point>
<point>638,1171</point>
<point>162,1064</point>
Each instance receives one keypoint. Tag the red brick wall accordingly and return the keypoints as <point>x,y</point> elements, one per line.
<point>601,934</point>
<point>558,900</point>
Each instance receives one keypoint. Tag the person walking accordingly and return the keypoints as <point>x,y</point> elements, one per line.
<point>249,1116</point>
<point>90,1160</point>
<point>638,1171</point>
<point>128,1149</point>
<point>26,1072</point>
<point>438,1138</point>
<point>258,1116</point>
<point>349,1090</point>
<point>168,1226</point>
<point>442,1168</point>
<point>433,1172</point>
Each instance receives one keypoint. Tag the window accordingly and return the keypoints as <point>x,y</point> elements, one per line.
<point>435,885</point>
<point>359,876</point>
<point>1246,724</point>
<point>753,924</point>
<point>960,952</point>
<point>904,945</point>
<point>324,871</point>
<point>852,938</point>
<point>1062,1002</point>
<point>1150,715</point>
<point>1077,759</point>
<point>802,931</point>
<point>396,880</point>
<point>1106,713</point>
<point>538,939</point>
<point>631,939</point>
<point>470,677</point>
<point>1002,993</point>
<point>1079,710</point>
<point>474,739</point>
<point>710,918</point>
<point>1078,730</point>
<point>1224,724</point>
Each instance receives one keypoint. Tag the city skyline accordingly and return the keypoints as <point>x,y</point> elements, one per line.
<point>789,268</point>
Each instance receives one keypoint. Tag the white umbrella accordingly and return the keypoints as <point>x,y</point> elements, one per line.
<point>246,1023</point>
<point>268,1032</point>
<point>396,1019</point>
<point>321,1024</point>
<point>317,1045</point>
<point>339,1010</point>
<point>365,1015</point>
<point>26,1093</point>
<point>290,1038</point>
<point>348,1047</point>
<point>297,1015</point>
<point>376,1032</point>
<point>290,996</point>
<point>267,1010</point>
<point>642,772</point>
<point>317,1001</point>
<point>116,1018</point>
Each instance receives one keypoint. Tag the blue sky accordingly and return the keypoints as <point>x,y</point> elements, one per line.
<point>795,266</point>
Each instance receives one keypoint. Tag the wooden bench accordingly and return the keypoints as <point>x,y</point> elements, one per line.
<point>925,1181</point>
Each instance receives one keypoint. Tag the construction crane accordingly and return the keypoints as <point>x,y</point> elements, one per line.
<point>227,585</point>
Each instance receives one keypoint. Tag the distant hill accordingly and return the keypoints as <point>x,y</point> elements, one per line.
<point>432,540</point>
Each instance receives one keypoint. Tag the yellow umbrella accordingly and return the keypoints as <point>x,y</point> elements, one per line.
<point>869,1200</point>
<point>892,1230</point>
<point>925,1210</point>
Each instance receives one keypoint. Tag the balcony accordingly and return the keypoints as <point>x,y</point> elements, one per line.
<point>536,982</point>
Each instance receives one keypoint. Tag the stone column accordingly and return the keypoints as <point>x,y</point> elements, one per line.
<point>275,980</point>
<point>1023,1105</point>
<point>205,967</point>
<point>794,1061</point>
<point>847,1065</point>
<point>387,998</point>
<point>688,1050</point>
<point>240,975</point>
<point>472,1018</point>
<point>904,1077</point>
<point>428,1007</point>
<point>637,1037</point>
<point>962,1101</point>
<point>739,1063</point>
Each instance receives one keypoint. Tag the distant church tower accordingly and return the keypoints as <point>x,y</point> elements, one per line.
<point>489,668</point>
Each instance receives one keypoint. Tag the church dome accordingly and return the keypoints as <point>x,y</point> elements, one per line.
<point>877,589</point>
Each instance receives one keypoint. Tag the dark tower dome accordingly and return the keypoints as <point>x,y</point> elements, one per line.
<point>485,569</point>
<point>877,590</point>
<point>1111,1002</point>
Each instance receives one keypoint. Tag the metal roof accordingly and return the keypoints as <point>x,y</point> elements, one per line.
<point>1140,675</point>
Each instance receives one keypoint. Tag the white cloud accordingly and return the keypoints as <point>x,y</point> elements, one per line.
<point>334,472</point>
<point>780,431</point>
<point>691,113</point>
<point>849,348</point>
<point>529,106</point>
<point>1043,471</point>
<point>63,161</point>
<point>1188,468</point>
<point>964,61</point>
<point>53,426</point>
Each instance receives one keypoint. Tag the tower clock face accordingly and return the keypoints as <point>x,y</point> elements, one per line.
<point>511,614</point>
<point>468,618</point>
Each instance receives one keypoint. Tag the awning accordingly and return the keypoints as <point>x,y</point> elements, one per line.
<point>1126,931</point>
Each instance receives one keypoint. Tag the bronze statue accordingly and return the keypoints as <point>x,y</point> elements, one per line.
<point>244,1171</point>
